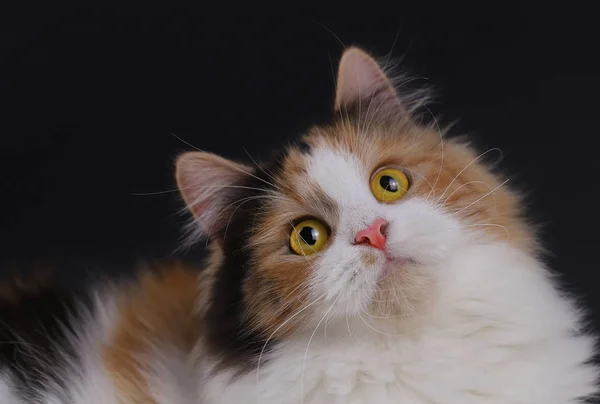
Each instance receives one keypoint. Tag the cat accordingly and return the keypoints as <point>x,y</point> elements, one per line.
<point>373,260</point>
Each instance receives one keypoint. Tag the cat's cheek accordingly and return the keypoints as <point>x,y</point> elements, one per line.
<point>422,233</point>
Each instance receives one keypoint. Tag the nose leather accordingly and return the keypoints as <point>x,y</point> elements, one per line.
<point>373,235</point>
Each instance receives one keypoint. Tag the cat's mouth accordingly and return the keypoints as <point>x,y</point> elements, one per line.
<point>397,260</point>
<point>392,264</point>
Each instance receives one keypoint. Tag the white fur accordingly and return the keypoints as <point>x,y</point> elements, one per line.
<point>173,378</point>
<point>496,329</point>
<point>7,392</point>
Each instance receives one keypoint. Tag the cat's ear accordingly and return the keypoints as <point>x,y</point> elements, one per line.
<point>360,80</point>
<point>204,179</point>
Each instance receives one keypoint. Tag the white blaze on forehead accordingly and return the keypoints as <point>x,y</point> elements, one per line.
<point>342,176</point>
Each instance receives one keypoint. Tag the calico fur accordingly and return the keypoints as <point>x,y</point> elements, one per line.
<point>460,308</point>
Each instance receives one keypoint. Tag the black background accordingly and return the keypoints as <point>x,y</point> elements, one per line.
<point>92,92</point>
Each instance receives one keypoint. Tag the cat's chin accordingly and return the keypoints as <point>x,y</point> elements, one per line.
<point>403,288</point>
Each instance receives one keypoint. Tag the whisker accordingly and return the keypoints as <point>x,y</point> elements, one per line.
<point>490,225</point>
<point>387,60</point>
<point>255,177</point>
<point>421,177</point>
<point>247,199</point>
<point>308,345</point>
<point>360,309</point>
<point>185,142</point>
<point>467,166</point>
<point>331,32</point>
<point>479,199</point>
<point>153,193</point>
<point>441,149</point>
<point>348,322</point>
<point>228,186</point>
<point>269,339</point>
<point>256,214</point>
<point>457,189</point>
<point>259,167</point>
<point>242,200</point>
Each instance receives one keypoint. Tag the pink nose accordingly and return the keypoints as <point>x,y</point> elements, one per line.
<point>373,235</point>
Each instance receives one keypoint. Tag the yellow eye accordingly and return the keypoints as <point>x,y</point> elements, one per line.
<point>308,237</point>
<point>389,185</point>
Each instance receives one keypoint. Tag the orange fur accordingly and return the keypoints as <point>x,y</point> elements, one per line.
<point>158,312</point>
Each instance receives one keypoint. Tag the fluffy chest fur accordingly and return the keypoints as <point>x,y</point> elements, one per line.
<point>468,350</point>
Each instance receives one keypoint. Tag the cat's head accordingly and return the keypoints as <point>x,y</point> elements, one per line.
<point>355,218</point>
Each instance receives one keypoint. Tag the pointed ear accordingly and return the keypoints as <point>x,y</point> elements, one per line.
<point>360,80</point>
<point>203,180</point>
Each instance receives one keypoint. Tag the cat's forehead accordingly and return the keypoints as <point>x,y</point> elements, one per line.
<point>339,173</point>
<point>338,162</point>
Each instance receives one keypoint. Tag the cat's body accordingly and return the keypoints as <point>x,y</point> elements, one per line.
<point>375,261</point>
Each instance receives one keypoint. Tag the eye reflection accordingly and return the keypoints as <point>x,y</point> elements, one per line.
<point>308,237</point>
<point>389,185</point>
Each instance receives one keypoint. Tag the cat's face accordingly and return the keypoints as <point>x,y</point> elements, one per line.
<point>356,219</point>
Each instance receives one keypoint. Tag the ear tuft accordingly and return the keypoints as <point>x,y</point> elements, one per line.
<point>203,180</point>
<point>360,79</point>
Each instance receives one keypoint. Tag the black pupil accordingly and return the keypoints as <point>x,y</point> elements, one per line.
<point>309,235</point>
<point>389,183</point>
